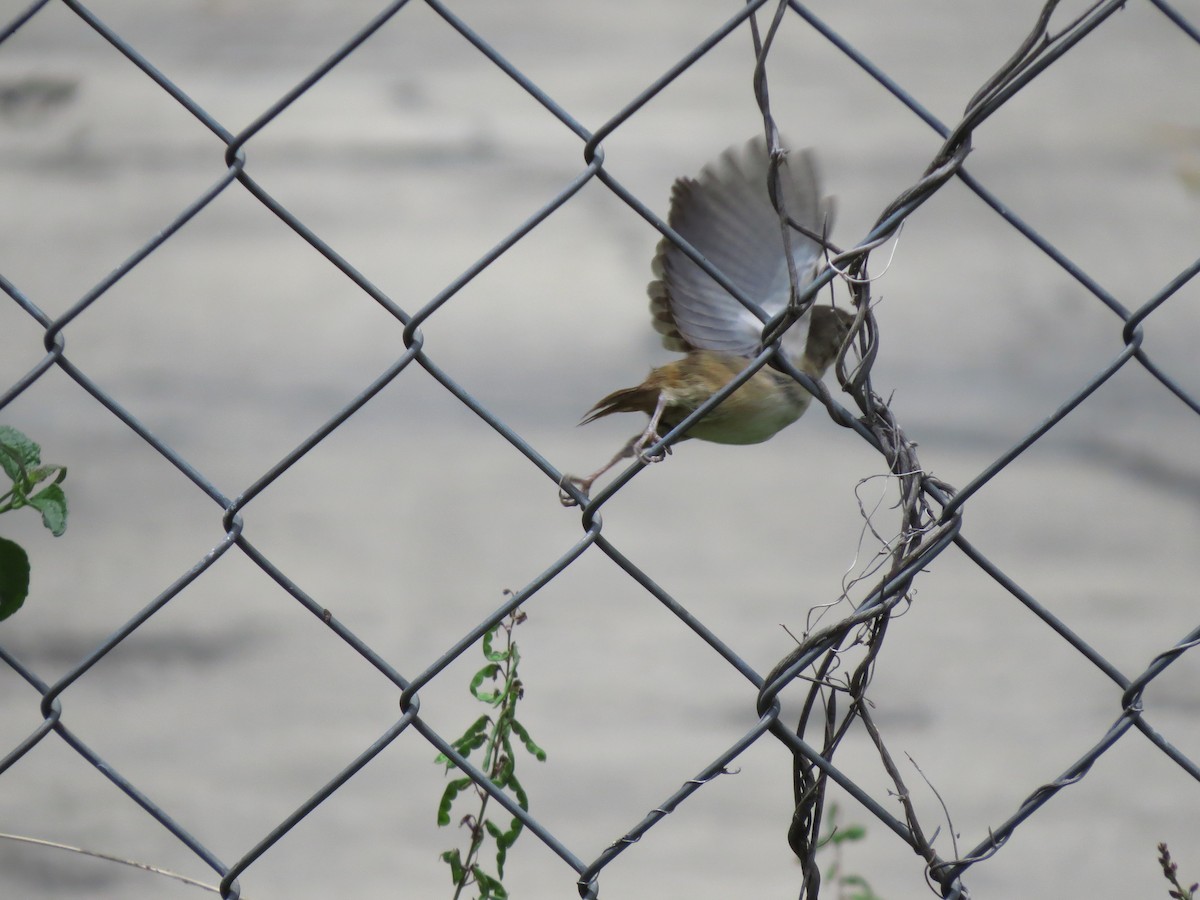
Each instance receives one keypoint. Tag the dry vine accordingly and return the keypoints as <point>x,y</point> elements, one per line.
<point>928,521</point>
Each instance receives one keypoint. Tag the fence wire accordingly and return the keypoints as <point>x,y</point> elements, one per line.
<point>832,664</point>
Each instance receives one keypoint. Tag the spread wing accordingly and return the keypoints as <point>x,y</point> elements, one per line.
<point>726,214</point>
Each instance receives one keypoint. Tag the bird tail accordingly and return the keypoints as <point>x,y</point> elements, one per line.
<point>635,399</point>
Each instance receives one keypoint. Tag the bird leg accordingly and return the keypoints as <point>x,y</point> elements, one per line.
<point>650,435</point>
<point>585,484</point>
<point>633,447</point>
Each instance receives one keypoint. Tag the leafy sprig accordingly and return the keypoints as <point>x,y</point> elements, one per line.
<point>34,485</point>
<point>849,886</point>
<point>499,686</point>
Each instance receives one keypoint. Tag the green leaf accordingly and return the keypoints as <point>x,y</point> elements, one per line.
<point>518,792</point>
<point>487,673</point>
<point>519,731</point>
<point>11,464</point>
<point>489,652</point>
<point>453,789</point>
<point>466,745</point>
<point>52,504</point>
<point>472,739</point>
<point>501,855</point>
<point>453,859</point>
<point>38,474</point>
<point>864,891</point>
<point>489,887</point>
<point>476,731</point>
<point>502,775</point>
<point>14,577</point>
<point>848,833</point>
<point>508,838</point>
<point>487,642</point>
<point>17,452</point>
<point>502,846</point>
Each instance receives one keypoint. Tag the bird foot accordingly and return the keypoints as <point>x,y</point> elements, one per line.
<point>564,497</point>
<point>640,451</point>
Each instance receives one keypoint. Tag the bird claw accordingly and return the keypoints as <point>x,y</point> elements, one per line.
<point>564,497</point>
<point>648,458</point>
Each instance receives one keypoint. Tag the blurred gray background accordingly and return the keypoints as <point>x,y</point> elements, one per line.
<point>235,340</point>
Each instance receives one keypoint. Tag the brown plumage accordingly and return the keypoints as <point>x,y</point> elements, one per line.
<point>727,215</point>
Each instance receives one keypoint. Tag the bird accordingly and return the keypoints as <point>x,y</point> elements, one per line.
<point>726,214</point>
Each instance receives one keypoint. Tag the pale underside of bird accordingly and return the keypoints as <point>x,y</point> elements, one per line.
<point>727,215</point>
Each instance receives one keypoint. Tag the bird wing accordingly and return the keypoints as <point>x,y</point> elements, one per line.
<point>726,214</point>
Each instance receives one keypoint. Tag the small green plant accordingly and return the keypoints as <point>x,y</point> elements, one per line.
<point>849,886</point>
<point>498,685</point>
<point>34,485</point>
<point>1171,872</point>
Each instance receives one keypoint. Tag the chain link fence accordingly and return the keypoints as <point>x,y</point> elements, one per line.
<point>206,700</point>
